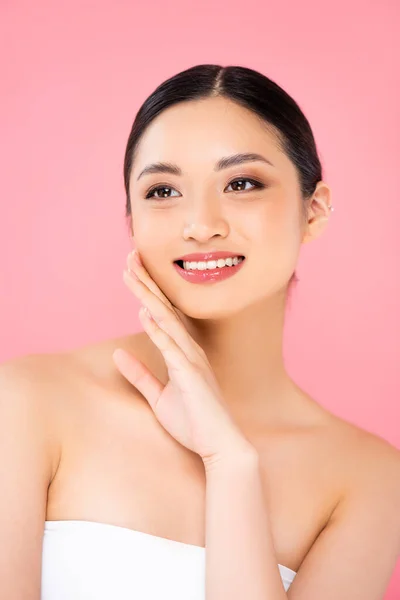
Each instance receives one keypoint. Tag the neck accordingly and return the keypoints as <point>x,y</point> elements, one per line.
<point>245,353</point>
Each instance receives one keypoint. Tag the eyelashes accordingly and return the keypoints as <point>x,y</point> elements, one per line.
<point>240,180</point>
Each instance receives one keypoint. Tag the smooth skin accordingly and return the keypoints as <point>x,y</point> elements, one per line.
<point>72,421</point>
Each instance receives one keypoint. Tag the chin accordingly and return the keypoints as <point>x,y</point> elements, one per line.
<point>210,311</point>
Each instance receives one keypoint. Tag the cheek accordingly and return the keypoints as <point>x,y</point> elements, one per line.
<point>155,239</point>
<point>152,232</point>
<point>275,239</point>
<point>276,227</point>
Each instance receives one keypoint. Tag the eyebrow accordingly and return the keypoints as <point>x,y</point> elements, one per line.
<point>223,163</point>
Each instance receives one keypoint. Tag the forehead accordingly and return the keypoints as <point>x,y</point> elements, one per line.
<point>202,131</point>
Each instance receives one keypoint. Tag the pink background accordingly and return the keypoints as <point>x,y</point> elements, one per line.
<point>75,73</point>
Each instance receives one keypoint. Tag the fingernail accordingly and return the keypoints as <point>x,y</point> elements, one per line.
<point>145,311</point>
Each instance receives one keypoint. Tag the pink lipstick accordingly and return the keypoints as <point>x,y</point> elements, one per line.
<point>208,275</point>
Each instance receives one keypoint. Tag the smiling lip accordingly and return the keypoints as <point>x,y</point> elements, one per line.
<point>197,256</point>
<point>208,275</point>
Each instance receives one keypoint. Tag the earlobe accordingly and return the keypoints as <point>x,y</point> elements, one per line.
<point>315,228</point>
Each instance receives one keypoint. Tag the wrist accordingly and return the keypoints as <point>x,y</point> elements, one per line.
<point>243,455</point>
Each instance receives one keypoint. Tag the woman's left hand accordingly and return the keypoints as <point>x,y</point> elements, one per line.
<point>190,406</point>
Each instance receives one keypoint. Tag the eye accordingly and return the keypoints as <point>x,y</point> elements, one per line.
<point>165,189</point>
<point>241,183</point>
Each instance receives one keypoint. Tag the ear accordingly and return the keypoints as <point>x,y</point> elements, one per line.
<point>317,212</point>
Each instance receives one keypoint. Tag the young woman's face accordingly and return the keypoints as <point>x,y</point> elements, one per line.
<point>204,210</point>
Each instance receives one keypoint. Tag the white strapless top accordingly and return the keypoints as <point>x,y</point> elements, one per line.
<point>85,560</point>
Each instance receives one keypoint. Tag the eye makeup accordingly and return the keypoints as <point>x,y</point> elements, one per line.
<point>256,184</point>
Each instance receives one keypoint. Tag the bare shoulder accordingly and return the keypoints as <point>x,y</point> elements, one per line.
<point>357,462</point>
<point>358,451</point>
<point>42,368</point>
<point>33,376</point>
<point>49,378</point>
<point>29,423</point>
<point>370,467</point>
<point>32,368</point>
<point>366,450</point>
<point>48,391</point>
<point>32,385</point>
<point>39,375</point>
<point>361,473</point>
<point>351,451</point>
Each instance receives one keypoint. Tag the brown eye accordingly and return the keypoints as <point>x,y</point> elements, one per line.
<point>240,184</point>
<point>165,189</point>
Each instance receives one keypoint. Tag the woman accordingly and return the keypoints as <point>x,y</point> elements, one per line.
<point>124,460</point>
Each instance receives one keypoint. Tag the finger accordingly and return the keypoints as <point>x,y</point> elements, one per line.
<point>143,274</point>
<point>174,357</point>
<point>166,319</point>
<point>138,375</point>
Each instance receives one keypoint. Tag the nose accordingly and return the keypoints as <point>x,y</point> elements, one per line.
<point>205,221</point>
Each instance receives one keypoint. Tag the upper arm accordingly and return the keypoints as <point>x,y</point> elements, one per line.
<point>354,556</point>
<point>26,463</point>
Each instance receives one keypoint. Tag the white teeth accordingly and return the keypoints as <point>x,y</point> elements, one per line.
<point>211,264</point>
